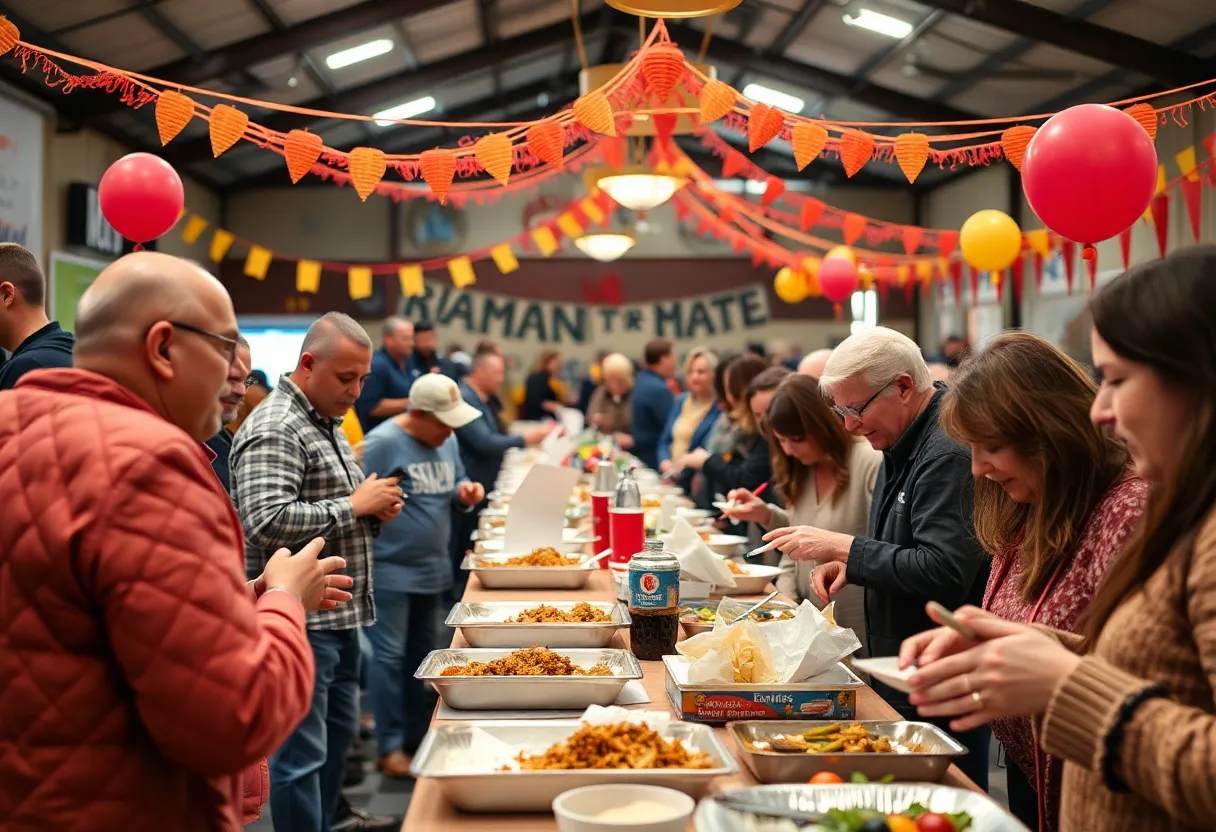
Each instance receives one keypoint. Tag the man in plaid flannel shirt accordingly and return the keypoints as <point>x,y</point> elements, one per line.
<point>295,477</point>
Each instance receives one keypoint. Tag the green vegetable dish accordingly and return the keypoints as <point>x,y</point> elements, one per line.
<point>916,818</point>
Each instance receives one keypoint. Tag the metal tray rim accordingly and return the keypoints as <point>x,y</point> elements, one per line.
<point>626,619</point>
<point>956,749</point>
<point>468,565</point>
<point>629,660</point>
<point>854,682</point>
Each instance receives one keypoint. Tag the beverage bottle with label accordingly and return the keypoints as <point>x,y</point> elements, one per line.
<point>602,488</point>
<point>626,529</point>
<point>654,602</point>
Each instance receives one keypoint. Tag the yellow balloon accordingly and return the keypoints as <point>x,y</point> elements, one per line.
<point>790,285</point>
<point>842,251</point>
<point>990,240</point>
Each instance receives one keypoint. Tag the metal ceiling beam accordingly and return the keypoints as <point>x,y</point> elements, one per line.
<point>1010,53</point>
<point>394,139</point>
<point>811,77</point>
<point>1168,65</point>
<point>797,25</point>
<point>246,53</point>
<point>396,88</point>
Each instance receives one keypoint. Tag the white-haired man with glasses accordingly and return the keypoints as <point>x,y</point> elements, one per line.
<point>919,545</point>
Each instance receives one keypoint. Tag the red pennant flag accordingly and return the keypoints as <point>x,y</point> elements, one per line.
<point>947,242</point>
<point>664,126</point>
<point>1068,250</point>
<point>1192,197</point>
<point>733,164</point>
<point>703,227</point>
<point>1038,272</point>
<point>738,242</point>
<point>728,211</point>
<point>774,187</point>
<point>910,290</point>
<point>956,277</point>
<point>1161,219</point>
<point>812,210</point>
<point>613,152</point>
<point>757,259</point>
<point>1209,144</point>
<point>1091,266</point>
<point>681,210</point>
<point>853,226</point>
<point>1000,286</point>
<point>912,237</point>
<point>883,282</point>
<point>1016,272</point>
<point>975,285</point>
<point>1125,247</point>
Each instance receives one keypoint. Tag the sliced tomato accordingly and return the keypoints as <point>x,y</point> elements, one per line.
<point>933,822</point>
<point>825,777</point>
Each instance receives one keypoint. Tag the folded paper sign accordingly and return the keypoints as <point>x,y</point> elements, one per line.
<point>697,560</point>
<point>774,652</point>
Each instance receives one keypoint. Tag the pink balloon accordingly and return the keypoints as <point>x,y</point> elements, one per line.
<point>838,279</point>
<point>1090,172</point>
<point>141,196</point>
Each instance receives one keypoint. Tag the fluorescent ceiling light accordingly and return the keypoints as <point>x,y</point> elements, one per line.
<point>362,52</point>
<point>774,98</point>
<point>878,22</point>
<point>752,186</point>
<point>409,109</point>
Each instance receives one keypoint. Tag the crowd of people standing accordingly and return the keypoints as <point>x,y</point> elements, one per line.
<point>187,576</point>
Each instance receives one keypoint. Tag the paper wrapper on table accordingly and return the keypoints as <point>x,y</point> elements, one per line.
<point>668,505</point>
<point>556,446</point>
<point>697,560</point>
<point>776,652</point>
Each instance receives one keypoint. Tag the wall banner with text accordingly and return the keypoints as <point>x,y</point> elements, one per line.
<point>698,318</point>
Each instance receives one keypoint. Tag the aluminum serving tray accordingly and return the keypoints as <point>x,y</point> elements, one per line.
<point>923,753</point>
<point>469,784</point>
<point>483,624</point>
<point>986,815</point>
<point>526,577</point>
<point>522,693</point>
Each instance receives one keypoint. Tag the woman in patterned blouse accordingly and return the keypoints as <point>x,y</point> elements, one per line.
<point>1054,503</point>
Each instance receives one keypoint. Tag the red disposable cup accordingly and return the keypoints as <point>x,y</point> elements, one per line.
<point>627,533</point>
<point>600,505</point>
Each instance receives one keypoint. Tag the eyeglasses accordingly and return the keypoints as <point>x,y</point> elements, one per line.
<point>856,412</point>
<point>250,381</point>
<point>229,343</point>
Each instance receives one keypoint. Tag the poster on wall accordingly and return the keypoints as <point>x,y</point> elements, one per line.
<point>20,176</point>
<point>700,318</point>
<point>68,277</point>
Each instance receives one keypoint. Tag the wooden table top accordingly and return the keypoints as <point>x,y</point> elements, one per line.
<point>430,811</point>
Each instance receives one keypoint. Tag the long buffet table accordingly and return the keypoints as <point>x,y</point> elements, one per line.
<point>428,809</point>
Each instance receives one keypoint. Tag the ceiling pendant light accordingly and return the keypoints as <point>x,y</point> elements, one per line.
<point>674,8</point>
<point>639,188</point>
<point>605,247</point>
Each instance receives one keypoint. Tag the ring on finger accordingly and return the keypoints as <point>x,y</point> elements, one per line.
<point>978,699</point>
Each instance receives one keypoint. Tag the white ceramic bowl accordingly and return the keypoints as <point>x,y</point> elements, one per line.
<point>577,809</point>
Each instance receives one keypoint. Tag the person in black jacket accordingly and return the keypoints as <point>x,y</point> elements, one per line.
<point>920,545</point>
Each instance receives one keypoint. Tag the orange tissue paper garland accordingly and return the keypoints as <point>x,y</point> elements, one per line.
<point>764,124</point>
<point>227,126</point>
<point>367,167</point>
<point>856,148</point>
<point>808,141</point>
<point>594,112</point>
<point>662,67</point>
<point>1014,141</point>
<point>1147,116</point>
<point>717,99</point>
<point>173,113</point>
<point>912,151</point>
<point>494,152</point>
<point>546,140</point>
<point>301,149</point>
<point>438,169</point>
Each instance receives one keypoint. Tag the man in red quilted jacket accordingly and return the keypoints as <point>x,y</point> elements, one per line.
<point>138,676</point>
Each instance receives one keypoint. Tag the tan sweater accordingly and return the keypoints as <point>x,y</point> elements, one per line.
<point>848,515</point>
<point>1164,635</point>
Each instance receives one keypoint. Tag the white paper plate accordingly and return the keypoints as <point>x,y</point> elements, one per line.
<point>886,670</point>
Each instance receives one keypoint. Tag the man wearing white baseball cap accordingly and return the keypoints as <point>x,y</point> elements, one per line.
<point>412,567</point>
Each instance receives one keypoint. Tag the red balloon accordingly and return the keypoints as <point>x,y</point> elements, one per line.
<point>141,196</point>
<point>838,279</point>
<point>1090,172</point>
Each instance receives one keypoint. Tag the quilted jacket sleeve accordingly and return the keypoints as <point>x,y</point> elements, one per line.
<point>218,682</point>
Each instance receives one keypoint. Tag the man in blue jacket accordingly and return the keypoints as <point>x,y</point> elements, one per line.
<point>482,447</point>
<point>33,341</point>
<point>652,400</point>
<point>386,392</point>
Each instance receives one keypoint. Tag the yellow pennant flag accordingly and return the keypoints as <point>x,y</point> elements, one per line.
<point>545,241</point>
<point>1187,163</point>
<point>1148,212</point>
<point>504,258</point>
<point>924,270</point>
<point>905,274</point>
<point>308,276</point>
<point>569,225</point>
<point>195,226</point>
<point>1039,242</point>
<point>461,269</point>
<point>221,241</point>
<point>258,262</point>
<point>359,282</point>
<point>411,280</point>
<point>592,209</point>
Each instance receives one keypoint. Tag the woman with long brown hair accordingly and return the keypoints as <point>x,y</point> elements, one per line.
<point>1054,504</point>
<point>824,476</point>
<point>1128,704</point>
<point>543,391</point>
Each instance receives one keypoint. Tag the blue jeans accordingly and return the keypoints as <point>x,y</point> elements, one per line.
<point>306,772</point>
<point>407,627</point>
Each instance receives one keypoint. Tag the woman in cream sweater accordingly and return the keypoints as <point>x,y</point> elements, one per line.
<point>825,478</point>
<point>1127,704</point>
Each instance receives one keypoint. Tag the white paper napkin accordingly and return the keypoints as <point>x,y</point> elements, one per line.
<point>668,506</point>
<point>697,560</point>
<point>538,509</point>
<point>782,651</point>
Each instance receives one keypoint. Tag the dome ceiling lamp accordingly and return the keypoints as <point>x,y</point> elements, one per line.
<point>674,8</point>
<point>605,246</point>
<point>639,188</point>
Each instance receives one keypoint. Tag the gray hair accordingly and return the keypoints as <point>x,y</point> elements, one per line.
<point>877,356</point>
<point>328,331</point>
<point>617,363</point>
<point>392,324</point>
<point>711,358</point>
